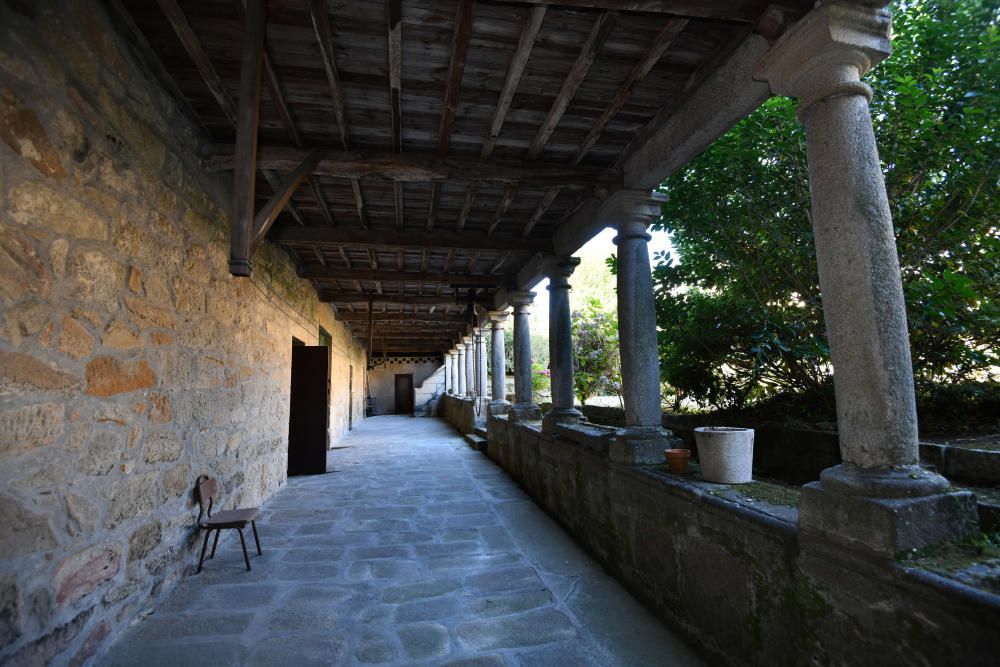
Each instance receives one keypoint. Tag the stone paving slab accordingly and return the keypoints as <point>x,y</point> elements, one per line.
<point>418,550</point>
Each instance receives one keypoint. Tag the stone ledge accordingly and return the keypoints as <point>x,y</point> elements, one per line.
<point>592,436</point>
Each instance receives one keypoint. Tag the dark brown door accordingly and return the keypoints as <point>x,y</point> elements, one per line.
<point>404,394</point>
<point>307,414</point>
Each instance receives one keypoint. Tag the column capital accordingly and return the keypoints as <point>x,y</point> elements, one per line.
<point>637,206</point>
<point>560,271</point>
<point>498,318</point>
<point>522,300</point>
<point>826,53</point>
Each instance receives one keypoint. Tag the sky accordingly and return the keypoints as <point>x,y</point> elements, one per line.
<point>601,245</point>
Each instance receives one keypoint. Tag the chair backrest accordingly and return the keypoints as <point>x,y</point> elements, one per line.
<point>207,490</point>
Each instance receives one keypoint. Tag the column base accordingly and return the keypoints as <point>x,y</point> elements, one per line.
<point>887,512</point>
<point>558,416</point>
<point>642,445</point>
<point>498,407</point>
<point>524,412</point>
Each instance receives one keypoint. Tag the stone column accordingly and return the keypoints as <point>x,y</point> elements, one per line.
<point>499,405</point>
<point>561,347</point>
<point>879,499</point>
<point>470,366</point>
<point>483,379</point>
<point>642,440</point>
<point>524,408</point>
<point>449,372</point>
<point>460,369</point>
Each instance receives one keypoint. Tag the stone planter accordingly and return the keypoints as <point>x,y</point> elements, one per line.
<point>725,454</point>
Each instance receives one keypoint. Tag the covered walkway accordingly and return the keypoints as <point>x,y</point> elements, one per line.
<point>414,548</point>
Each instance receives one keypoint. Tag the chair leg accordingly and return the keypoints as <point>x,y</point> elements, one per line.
<point>215,543</point>
<point>256,539</point>
<point>204,546</point>
<point>243,541</point>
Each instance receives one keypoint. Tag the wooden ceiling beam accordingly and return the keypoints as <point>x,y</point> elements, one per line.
<point>375,238</point>
<point>334,296</point>
<point>320,198</point>
<point>456,67</point>
<point>247,120</point>
<point>422,167</point>
<point>394,26</point>
<point>460,280</point>
<point>396,318</point>
<point>726,10</point>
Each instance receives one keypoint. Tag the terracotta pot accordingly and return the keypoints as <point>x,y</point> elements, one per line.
<point>677,460</point>
<point>725,454</point>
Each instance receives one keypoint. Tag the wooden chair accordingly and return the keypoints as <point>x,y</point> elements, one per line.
<point>208,491</point>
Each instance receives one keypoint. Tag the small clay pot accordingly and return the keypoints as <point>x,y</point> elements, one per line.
<point>677,460</point>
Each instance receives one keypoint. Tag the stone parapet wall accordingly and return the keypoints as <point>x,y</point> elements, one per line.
<point>130,361</point>
<point>732,575</point>
<point>461,413</point>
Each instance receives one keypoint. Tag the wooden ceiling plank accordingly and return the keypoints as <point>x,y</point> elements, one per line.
<point>247,121</point>
<point>500,262</point>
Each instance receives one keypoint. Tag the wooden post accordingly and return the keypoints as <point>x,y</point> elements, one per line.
<point>248,113</point>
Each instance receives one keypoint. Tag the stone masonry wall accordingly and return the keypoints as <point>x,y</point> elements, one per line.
<point>130,361</point>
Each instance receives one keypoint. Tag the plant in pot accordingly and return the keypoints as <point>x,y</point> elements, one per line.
<point>725,454</point>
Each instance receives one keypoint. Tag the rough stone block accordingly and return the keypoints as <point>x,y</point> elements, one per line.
<point>24,374</point>
<point>107,376</point>
<point>888,527</point>
<point>422,641</point>
<point>30,427</point>
<point>83,572</point>
<point>21,530</point>
<point>641,446</point>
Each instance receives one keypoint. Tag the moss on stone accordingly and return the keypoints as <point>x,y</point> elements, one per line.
<point>774,494</point>
<point>952,557</point>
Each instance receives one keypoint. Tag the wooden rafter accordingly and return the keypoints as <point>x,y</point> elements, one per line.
<point>394,26</point>
<point>393,319</point>
<point>456,67</point>
<point>177,19</point>
<point>320,198</point>
<point>269,213</point>
<point>599,32</point>
<point>377,239</point>
<point>324,38</point>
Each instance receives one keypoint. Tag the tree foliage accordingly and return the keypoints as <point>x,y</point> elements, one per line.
<point>741,313</point>
<point>596,362</point>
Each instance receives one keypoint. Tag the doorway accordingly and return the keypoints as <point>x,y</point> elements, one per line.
<point>308,410</point>
<point>404,393</point>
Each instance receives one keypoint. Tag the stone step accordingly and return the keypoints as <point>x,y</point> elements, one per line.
<point>476,441</point>
<point>480,431</point>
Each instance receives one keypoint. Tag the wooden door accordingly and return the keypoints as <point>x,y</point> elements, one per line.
<point>308,410</point>
<point>404,394</point>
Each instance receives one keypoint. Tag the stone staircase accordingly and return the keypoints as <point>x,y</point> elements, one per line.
<point>426,396</point>
<point>477,439</point>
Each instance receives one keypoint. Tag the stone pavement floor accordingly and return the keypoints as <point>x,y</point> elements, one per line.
<point>413,549</point>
